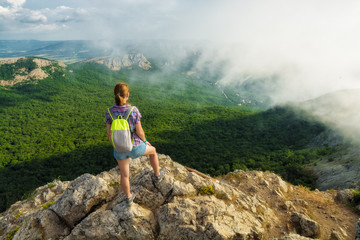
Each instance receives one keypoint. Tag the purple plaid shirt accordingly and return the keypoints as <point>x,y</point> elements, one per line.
<point>134,118</point>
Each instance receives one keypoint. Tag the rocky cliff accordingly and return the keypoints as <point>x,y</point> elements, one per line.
<point>28,69</point>
<point>340,169</point>
<point>243,205</point>
<point>339,111</point>
<point>126,61</point>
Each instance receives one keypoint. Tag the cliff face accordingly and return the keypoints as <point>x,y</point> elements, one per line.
<point>244,205</point>
<point>340,169</point>
<point>125,61</point>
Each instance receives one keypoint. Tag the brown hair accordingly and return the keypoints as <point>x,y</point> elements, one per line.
<point>121,90</point>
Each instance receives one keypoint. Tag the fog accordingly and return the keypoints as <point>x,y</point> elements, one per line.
<point>300,49</point>
<point>304,48</point>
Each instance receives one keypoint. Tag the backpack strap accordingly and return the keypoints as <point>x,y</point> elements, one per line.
<point>127,114</point>
<point>112,115</point>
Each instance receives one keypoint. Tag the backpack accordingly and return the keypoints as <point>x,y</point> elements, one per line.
<point>120,131</point>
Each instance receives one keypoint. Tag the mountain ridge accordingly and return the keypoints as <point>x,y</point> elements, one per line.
<point>244,205</point>
<point>27,70</point>
<point>128,61</point>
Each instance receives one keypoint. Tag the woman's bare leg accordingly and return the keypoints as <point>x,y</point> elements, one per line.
<point>125,172</point>
<point>154,160</point>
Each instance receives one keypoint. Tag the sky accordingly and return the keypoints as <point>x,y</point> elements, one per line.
<point>308,45</point>
<point>304,48</point>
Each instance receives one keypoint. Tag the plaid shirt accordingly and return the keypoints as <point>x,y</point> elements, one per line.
<point>134,119</point>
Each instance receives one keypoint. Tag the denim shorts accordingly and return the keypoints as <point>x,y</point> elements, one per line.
<point>135,152</point>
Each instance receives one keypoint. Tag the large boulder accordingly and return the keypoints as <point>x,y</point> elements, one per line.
<point>43,224</point>
<point>81,197</point>
<point>305,225</point>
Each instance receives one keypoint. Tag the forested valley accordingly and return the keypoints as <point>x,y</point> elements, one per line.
<point>55,129</point>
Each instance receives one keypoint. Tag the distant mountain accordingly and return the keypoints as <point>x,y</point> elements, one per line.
<point>65,51</point>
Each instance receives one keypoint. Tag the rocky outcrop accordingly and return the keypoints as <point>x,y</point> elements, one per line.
<point>81,196</point>
<point>126,61</point>
<point>339,170</point>
<point>243,205</point>
<point>339,111</point>
<point>42,70</point>
<point>305,225</point>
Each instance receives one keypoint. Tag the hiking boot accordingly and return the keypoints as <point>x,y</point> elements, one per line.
<point>130,200</point>
<point>159,178</point>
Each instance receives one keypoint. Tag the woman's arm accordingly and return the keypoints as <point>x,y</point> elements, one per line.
<point>108,130</point>
<point>140,131</point>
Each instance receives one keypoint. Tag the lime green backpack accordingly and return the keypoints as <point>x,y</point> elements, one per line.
<point>120,131</point>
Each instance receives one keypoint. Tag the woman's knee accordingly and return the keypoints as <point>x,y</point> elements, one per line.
<point>150,150</point>
<point>154,150</point>
<point>124,178</point>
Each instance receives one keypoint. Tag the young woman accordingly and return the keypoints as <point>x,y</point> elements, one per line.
<point>141,147</point>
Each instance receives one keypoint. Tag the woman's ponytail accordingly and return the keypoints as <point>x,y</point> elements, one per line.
<point>121,90</point>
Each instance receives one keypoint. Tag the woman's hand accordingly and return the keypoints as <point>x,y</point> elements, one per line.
<point>149,144</point>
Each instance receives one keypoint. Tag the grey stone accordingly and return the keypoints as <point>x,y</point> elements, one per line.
<point>81,196</point>
<point>344,196</point>
<point>43,224</point>
<point>305,226</point>
<point>104,224</point>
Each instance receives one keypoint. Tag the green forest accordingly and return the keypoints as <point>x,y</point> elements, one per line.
<point>55,129</point>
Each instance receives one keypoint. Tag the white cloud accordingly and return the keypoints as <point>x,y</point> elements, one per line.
<point>4,11</point>
<point>32,17</point>
<point>309,46</point>
<point>14,3</point>
<point>15,19</point>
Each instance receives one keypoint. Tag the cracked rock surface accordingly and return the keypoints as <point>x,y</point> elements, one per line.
<point>94,207</point>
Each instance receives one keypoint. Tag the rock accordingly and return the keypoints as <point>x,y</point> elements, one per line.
<point>99,223</point>
<point>206,216</point>
<point>197,181</point>
<point>357,226</point>
<point>224,191</point>
<point>344,196</point>
<point>81,196</point>
<point>183,189</point>
<point>304,225</point>
<point>94,207</point>
<point>137,222</point>
<point>166,185</point>
<point>335,236</point>
<point>22,75</point>
<point>279,193</point>
<point>264,182</point>
<point>289,206</point>
<point>127,60</point>
<point>148,198</point>
<point>282,184</point>
<point>44,224</point>
<point>293,236</point>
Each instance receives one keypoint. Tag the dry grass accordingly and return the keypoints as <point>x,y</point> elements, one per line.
<point>319,206</point>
